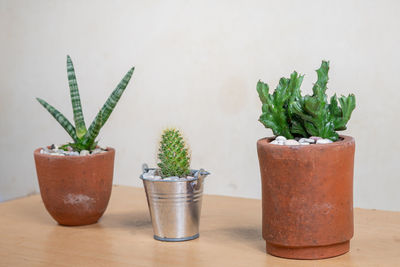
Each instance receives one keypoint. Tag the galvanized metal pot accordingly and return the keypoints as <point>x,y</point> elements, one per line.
<point>175,206</point>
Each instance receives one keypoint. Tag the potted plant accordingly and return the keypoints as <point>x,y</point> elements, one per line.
<point>75,179</point>
<point>174,191</point>
<point>307,170</point>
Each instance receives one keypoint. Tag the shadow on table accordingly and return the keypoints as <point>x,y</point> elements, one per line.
<point>134,220</point>
<point>33,210</point>
<point>247,235</point>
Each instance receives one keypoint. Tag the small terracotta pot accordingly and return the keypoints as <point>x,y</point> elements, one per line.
<point>307,198</point>
<point>75,189</point>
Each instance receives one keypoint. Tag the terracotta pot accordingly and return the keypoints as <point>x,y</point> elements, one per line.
<point>75,189</point>
<point>307,198</point>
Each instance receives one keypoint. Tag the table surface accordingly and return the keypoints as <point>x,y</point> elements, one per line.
<point>230,235</point>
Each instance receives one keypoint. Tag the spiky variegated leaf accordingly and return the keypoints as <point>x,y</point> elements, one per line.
<point>63,121</point>
<point>93,132</point>
<point>85,139</point>
<point>76,100</point>
<point>113,99</point>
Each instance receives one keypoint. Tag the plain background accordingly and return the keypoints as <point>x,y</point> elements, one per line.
<point>197,65</point>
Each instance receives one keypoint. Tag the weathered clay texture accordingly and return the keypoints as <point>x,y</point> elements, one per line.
<point>75,189</point>
<point>307,198</point>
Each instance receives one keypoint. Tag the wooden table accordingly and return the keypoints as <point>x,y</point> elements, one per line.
<point>230,235</point>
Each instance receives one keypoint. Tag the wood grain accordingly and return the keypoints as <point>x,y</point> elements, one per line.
<point>230,235</point>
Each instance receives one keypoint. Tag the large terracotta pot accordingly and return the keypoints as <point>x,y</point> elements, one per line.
<point>75,189</point>
<point>307,198</point>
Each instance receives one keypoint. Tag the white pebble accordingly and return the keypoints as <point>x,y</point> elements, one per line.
<point>46,150</point>
<point>84,153</point>
<point>307,140</point>
<point>315,138</point>
<point>280,138</point>
<point>324,141</point>
<point>276,142</point>
<point>304,144</point>
<point>96,151</point>
<point>60,151</point>
<point>172,178</point>
<point>74,153</point>
<point>148,176</point>
<point>291,142</point>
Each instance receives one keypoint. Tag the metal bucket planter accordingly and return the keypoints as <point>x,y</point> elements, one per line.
<point>175,206</point>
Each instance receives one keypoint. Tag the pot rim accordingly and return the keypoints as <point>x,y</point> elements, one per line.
<point>203,174</point>
<point>345,139</point>
<point>37,153</point>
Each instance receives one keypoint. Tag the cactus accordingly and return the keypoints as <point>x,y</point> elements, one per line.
<point>173,155</point>
<point>290,114</point>
<point>84,139</point>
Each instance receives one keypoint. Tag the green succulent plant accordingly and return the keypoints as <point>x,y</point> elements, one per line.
<point>84,139</point>
<point>290,114</point>
<point>173,155</point>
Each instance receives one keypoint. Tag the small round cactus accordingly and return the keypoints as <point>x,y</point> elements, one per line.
<point>173,155</point>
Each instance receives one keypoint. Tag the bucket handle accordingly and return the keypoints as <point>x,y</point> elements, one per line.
<point>145,168</point>
<point>201,173</point>
<point>198,174</point>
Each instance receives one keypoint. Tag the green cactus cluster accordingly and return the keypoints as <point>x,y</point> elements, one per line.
<point>84,139</point>
<point>290,114</point>
<point>173,155</point>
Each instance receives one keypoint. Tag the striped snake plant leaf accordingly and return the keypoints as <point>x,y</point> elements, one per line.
<point>75,99</point>
<point>62,120</point>
<point>113,99</point>
<point>93,132</point>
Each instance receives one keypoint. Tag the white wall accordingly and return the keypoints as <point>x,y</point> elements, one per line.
<point>197,64</point>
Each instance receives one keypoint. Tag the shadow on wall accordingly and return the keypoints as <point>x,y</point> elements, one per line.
<point>31,193</point>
